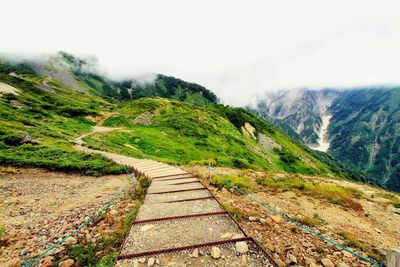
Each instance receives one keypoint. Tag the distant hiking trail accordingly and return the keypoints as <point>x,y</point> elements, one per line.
<point>180,222</point>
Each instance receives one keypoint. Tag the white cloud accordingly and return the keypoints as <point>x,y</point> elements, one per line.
<point>236,48</point>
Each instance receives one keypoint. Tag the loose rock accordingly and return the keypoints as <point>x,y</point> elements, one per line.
<point>66,263</point>
<point>241,247</point>
<point>215,252</point>
<point>195,253</point>
<point>151,262</point>
<point>327,262</point>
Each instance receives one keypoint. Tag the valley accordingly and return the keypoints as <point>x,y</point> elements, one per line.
<point>323,142</point>
<point>363,128</point>
<point>69,136</point>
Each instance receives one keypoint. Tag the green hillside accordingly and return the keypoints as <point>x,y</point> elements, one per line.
<point>182,123</point>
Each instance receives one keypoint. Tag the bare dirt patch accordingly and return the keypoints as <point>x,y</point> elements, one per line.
<point>39,207</point>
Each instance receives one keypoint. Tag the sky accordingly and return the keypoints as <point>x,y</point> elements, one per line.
<point>237,49</point>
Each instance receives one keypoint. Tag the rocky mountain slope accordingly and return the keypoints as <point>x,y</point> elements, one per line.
<point>360,127</point>
<point>59,97</point>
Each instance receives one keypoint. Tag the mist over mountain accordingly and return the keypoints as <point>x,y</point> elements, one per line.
<point>358,126</point>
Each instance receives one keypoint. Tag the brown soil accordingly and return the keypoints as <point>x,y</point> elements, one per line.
<point>38,207</point>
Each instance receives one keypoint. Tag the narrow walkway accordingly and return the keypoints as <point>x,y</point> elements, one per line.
<point>182,224</point>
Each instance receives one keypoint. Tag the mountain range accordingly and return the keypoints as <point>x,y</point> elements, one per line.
<point>360,126</point>
<point>45,104</point>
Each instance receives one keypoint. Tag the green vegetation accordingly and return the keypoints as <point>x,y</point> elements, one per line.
<point>333,193</point>
<point>309,221</point>
<point>38,125</point>
<point>351,240</point>
<point>395,201</point>
<point>2,230</point>
<point>365,123</point>
<point>231,180</point>
<point>232,211</point>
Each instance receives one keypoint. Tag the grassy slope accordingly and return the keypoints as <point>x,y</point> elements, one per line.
<point>177,132</point>
<point>196,132</point>
<point>364,132</point>
<point>36,126</point>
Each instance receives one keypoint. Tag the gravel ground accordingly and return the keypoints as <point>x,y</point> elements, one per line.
<point>151,199</point>
<point>228,258</point>
<point>179,233</point>
<point>174,177</point>
<point>172,182</point>
<point>37,207</point>
<point>176,209</point>
<point>167,188</point>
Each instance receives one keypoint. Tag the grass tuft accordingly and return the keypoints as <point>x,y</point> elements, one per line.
<point>333,193</point>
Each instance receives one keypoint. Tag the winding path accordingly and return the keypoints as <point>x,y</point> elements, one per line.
<point>180,223</point>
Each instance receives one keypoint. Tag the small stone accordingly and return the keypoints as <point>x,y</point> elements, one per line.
<point>262,220</point>
<point>113,212</point>
<point>13,263</point>
<point>312,264</point>
<point>151,262</point>
<point>309,260</point>
<point>70,241</point>
<point>66,263</point>
<point>378,230</point>
<point>215,252</point>
<point>243,260</point>
<point>342,264</point>
<point>146,227</point>
<point>46,263</point>
<point>197,210</point>
<point>142,260</point>
<point>292,258</point>
<point>276,218</point>
<point>241,247</point>
<point>227,235</point>
<point>346,253</point>
<point>201,252</point>
<point>279,262</point>
<point>252,219</point>
<point>327,262</point>
<point>195,253</point>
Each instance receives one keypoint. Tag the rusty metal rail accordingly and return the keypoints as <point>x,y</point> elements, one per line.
<point>193,182</point>
<point>170,175</point>
<point>176,191</point>
<point>180,217</point>
<point>188,199</point>
<point>180,249</point>
<point>171,179</point>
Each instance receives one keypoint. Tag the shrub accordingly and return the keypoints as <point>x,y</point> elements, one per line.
<point>240,182</point>
<point>240,163</point>
<point>309,221</point>
<point>351,240</point>
<point>232,211</point>
<point>2,230</point>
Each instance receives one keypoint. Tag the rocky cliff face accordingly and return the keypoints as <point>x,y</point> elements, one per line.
<point>360,127</point>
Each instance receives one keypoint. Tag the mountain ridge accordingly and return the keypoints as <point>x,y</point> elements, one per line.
<point>362,130</point>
